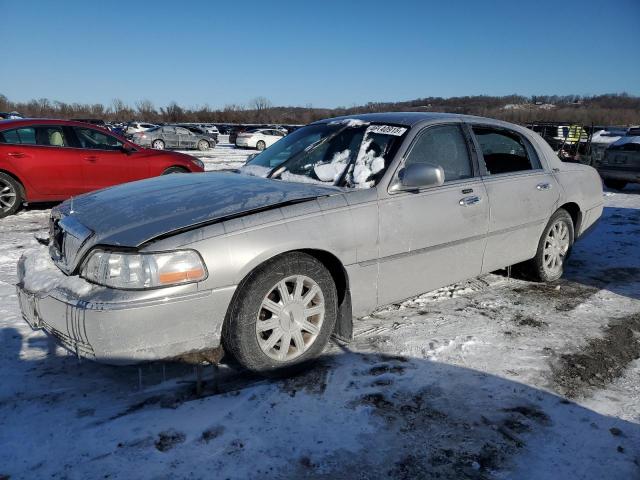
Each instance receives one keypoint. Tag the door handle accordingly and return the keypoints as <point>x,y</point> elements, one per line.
<point>17,154</point>
<point>91,158</point>
<point>543,186</point>
<point>467,201</point>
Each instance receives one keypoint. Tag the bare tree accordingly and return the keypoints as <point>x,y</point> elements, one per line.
<point>146,111</point>
<point>261,107</point>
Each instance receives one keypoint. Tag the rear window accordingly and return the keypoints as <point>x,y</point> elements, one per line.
<point>49,135</point>
<point>25,135</point>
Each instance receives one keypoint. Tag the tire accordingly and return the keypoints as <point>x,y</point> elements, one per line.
<point>554,248</point>
<point>203,145</point>
<point>615,184</point>
<point>158,144</point>
<point>261,145</point>
<point>246,333</point>
<point>11,195</point>
<point>171,170</point>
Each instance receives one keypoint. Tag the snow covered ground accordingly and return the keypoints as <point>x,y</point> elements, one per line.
<point>492,378</point>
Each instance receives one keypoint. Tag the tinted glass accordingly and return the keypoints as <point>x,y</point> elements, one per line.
<point>504,151</point>
<point>93,139</point>
<point>443,146</point>
<point>25,135</point>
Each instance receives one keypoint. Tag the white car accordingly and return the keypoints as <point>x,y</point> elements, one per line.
<point>259,138</point>
<point>136,127</point>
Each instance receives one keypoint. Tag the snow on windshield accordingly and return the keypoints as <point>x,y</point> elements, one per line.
<point>255,170</point>
<point>332,171</point>
<point>369,162</point>
<point>364,159</point>
<point>349,122</point>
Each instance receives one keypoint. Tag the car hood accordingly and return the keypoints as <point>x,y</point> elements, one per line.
<point>137,212</point>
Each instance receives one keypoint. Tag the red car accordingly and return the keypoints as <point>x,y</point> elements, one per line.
<point>51,160</point>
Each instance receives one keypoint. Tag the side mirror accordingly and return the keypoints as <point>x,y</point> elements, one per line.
<point>127,149</point>
<point>416,176</point>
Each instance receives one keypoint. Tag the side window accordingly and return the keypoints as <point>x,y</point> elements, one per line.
<point>443,146</point>
<point>90,138</point>
<point>26,136</point>
<point>168,130</point>
<point>505,151</point>
<point>182,131</point>
<point>51,135</point>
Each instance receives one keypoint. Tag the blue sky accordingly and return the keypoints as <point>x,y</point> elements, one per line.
<point>323,53</point>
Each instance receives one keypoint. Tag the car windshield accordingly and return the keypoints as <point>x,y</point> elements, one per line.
<point>348,153</point>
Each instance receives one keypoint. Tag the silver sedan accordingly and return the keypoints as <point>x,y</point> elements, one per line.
<point>173,136</point>
<point>333,221</point>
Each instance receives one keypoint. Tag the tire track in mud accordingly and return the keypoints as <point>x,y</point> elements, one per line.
<point>601,360</point>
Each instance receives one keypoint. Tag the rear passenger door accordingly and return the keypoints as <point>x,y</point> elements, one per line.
<point>522,194</point>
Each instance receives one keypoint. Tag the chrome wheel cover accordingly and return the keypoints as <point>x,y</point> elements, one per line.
<point>158,145</point>
<point>7,196</point>
<point>290,318</point>
<point>556,246</point>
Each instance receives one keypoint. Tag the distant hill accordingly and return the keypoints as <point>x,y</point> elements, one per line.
<point>609,109</point>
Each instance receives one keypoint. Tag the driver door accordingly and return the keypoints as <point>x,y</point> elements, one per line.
<point>105,162</point>
<point>432,237</point>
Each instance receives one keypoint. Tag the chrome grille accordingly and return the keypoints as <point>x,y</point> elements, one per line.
<point>68,236</point>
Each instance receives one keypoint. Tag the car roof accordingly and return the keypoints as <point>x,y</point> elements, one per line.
<point>21,122</point>
<point>408,119</point>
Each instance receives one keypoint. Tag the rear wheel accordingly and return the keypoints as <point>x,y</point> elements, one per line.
<point>261,145</point>
<point>615,184</point>
<point>282,315</point>
<point>11,196</point>
<point>158,144</point>
<point>203,145</point>
<point>554,248</point>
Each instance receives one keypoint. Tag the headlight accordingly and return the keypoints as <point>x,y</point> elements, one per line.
<point>143,270</point>
<point>197,161</point>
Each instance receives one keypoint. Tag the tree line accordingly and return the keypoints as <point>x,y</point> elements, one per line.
<point>608,109</point>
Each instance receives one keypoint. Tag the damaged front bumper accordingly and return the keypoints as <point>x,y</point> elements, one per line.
<point>125,327</point>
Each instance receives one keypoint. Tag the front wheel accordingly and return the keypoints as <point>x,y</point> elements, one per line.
<point>261,145</point>
<point>11,196</point>
<point>158,144</point>
<point>282,314</point>
<point>203,145</point>
<point>554,248</point>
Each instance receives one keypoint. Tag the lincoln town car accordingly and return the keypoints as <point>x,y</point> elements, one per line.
<point>326,225</point>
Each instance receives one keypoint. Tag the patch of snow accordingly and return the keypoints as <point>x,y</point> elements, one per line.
<point>604,136</point>
<point>349,122</point>
<point>330,172</point>
<point>292,177</point>
<point>255,170</point>
<point>42,275</point>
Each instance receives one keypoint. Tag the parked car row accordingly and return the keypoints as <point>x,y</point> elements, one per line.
<point>51,160</point>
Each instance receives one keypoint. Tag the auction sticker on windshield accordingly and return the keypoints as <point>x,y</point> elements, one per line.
<point>386,130</point>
